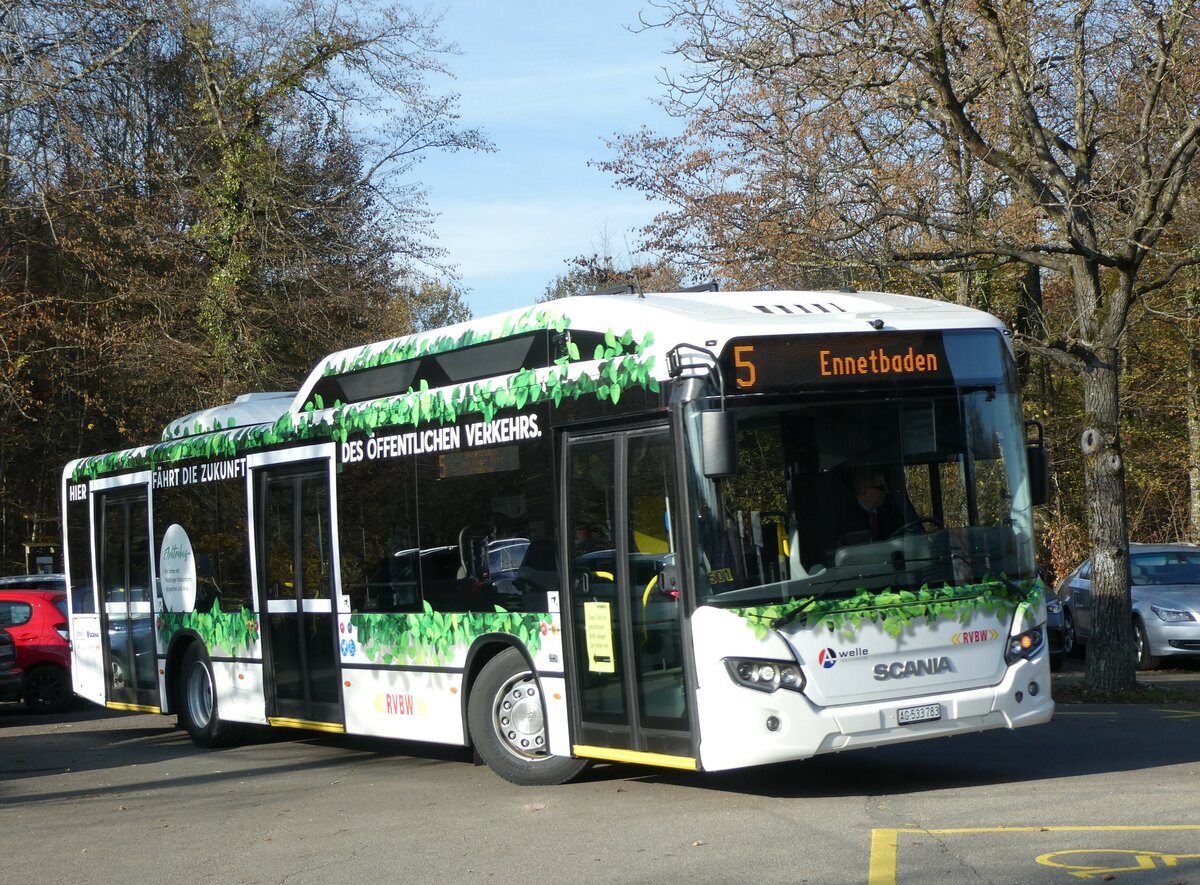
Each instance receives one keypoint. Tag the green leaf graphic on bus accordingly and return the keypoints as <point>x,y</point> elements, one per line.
<point>225,633</point>
<point>434,637</point>
<point>617,371</point>
<point>894,611</point>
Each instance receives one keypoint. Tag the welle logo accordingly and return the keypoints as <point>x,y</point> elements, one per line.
<point>827,657</point>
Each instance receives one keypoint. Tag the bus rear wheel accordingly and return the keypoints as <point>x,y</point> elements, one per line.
<point>507,720</point>
<point>199,712</point>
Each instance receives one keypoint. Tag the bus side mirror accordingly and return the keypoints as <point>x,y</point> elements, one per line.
<point>1039,465</point>
<point>718,439</point>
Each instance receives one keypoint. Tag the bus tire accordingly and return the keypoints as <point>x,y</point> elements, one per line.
<point>199,712</point>
<point>507,721</point>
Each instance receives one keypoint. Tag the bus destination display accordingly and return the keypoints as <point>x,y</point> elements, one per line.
<point>753,365</point>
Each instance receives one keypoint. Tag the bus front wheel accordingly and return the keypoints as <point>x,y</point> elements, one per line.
<point>507,720</point>
<point>199,712</point>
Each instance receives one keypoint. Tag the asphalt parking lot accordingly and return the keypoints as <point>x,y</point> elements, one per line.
<point>1101,793</point>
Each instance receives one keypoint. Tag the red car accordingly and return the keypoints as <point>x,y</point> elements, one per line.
<point>37,620</point>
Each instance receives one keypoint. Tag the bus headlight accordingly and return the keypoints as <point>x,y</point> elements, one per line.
<point>1025,645</point>
<point>762,675</point>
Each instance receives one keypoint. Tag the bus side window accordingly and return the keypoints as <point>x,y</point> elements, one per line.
<point>377,537</point>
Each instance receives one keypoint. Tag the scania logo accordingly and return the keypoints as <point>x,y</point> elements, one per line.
<point>827,657</point>
<point>904,669</point>
<point>968,637</point>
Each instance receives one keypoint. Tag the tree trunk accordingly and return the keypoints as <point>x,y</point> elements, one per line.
<point>1029,315</point>
<point>1110,664</point>
<point>1192,404</point>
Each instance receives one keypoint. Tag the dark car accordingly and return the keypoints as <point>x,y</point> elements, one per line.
<point>11,677</point>
<point>1055,634</point>
<point>504,568</point>
<point>145,663</point>
<point>37,621</point>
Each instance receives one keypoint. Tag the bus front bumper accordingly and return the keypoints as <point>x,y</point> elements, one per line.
<point>740,727</point>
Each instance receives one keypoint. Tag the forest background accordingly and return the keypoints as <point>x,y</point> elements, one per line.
<point>199,199</point>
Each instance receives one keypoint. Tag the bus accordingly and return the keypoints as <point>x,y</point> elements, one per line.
<point>620,527</point>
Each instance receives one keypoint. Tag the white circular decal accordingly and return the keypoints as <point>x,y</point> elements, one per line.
<point>177,570</point>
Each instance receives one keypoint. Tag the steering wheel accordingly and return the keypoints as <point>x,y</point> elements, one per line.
<point>917,525</point>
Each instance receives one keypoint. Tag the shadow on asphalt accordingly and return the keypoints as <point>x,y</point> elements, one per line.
<point>32,745</point>
<point>1081,740</point>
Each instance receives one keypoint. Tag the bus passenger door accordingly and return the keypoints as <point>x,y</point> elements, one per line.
<point>293,543</point>
<point>127,615</point>
<point>630,690</point>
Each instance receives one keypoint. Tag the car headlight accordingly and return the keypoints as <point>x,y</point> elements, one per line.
<point>1172,615</point>
<point>1054,605</point>
<point>765,675</point>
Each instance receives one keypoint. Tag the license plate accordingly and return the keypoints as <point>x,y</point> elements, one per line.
<point>927,713</point>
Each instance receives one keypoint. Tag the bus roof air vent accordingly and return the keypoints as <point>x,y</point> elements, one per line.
<point>815,308</point>
<point>819,304</point>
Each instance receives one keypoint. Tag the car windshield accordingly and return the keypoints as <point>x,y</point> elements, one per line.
<point>1165,568</point>
<point>837,497</point>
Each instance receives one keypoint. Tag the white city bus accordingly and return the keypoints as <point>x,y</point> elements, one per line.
<point>611,527</point>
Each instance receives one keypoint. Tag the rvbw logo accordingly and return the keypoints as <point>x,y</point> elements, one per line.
<point>827,658</point>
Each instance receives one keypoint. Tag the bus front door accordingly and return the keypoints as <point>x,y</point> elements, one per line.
<point>629,667</point>
<point>127,616</point>
<point>295,597</point>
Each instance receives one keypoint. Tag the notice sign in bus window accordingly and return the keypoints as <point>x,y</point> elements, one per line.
<point>597,623</point>
<point>753,365</point>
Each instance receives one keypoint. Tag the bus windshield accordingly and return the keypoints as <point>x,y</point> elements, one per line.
<point>839,496</point>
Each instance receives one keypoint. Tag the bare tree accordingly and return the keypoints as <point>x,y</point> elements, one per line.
<point>957,136</point>
<point>197,198</point>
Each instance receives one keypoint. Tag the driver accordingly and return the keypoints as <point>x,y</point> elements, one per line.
<point>872,515</point>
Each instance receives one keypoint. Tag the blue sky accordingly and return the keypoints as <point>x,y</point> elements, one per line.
<point>548,82</point>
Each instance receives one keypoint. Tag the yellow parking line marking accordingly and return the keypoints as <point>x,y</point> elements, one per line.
<point>1136,860</point>
<point>884,848</point>
<point>1179,714</point>
<point>885,842</point>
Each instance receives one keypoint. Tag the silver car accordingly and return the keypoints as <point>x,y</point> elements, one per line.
<point>1165,588</point>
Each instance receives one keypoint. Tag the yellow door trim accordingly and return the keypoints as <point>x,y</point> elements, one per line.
<point>611,754</point>
<point>133,708</point>
<point>282,722</point>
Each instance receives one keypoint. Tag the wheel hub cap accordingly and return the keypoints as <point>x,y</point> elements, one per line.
<point>519,719</point>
